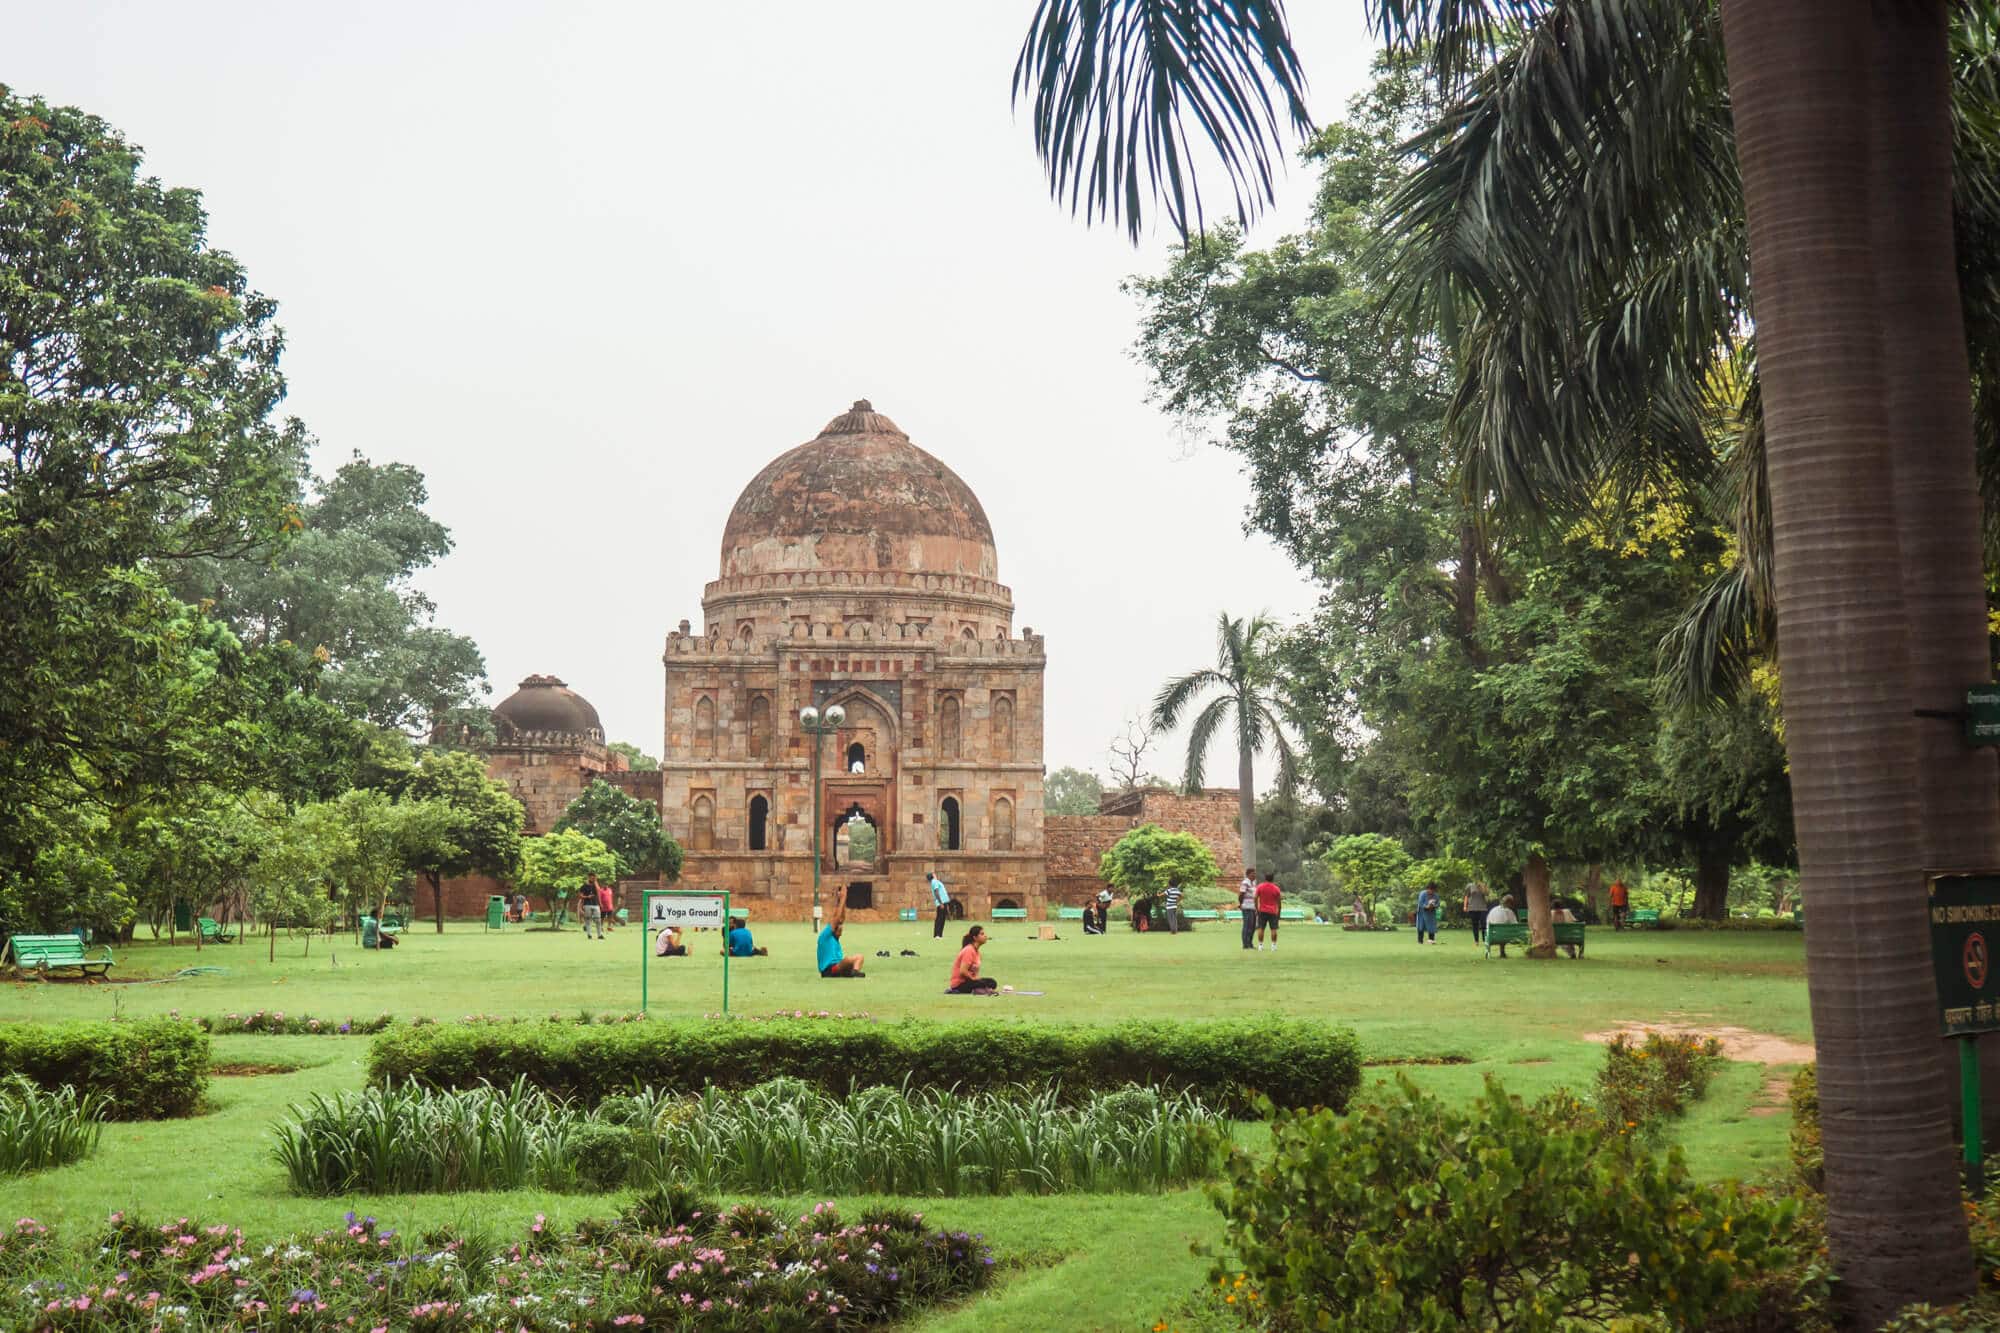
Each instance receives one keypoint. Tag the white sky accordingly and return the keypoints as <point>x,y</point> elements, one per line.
<point>590,264</point>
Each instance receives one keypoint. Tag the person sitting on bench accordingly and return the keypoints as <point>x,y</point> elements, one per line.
<point>1503,915</point>
<point>965,978</point>
<point>832,960</point>
<point>740,943</point>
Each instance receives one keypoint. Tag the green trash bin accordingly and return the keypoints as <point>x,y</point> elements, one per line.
<point>496,913</point>
<point>183,916</point>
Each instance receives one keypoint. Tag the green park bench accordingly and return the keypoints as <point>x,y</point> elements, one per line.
<point>1010,914</point>
<point>1567,933</point>
<point>212,931</point>
<point>1647,916</point>
<point>1069,914</point>
<point>907,914</point>
<point>42,952</point>
<point>1292,914</point>
<point>1202,914</point>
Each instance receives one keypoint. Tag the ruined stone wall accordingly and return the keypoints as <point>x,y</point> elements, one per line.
<point>545,778</point>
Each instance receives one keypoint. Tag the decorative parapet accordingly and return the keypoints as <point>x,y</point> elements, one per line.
<point>960,585</point>
<point>928,638</point>
<point>548,740</point>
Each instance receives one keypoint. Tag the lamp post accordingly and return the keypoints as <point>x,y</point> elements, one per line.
<point>818,727</point>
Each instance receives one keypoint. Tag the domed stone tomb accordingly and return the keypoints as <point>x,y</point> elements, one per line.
<point>545,705</point>
<point>857,569</point>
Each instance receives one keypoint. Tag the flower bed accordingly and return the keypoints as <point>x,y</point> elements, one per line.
<point>671,1263</point>
<point>1293,1062</point>
<point>277,1022</point>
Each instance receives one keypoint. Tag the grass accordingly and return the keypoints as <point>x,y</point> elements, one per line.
<point>1087,1261</point>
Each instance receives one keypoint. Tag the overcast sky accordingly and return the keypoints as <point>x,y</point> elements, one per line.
<point>591,264</point>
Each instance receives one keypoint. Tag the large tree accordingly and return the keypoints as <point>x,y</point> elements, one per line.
<point>1843,121</point>
<point>483,833</point>
<point>1245,707</point>
<point>1072,791</point>
<point>630,827</point>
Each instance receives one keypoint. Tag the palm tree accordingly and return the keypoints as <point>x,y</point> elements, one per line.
<point>1842,121</point>
<point>1245,671</point>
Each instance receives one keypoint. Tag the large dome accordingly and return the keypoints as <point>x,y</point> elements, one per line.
<point>859,497</point>
<point>544,704</point>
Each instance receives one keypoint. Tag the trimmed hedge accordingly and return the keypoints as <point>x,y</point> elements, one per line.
<point>153,1069</point>
<point>1294,1062</point>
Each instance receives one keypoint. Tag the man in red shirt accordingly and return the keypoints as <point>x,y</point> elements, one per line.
<point>1620,901</point>
<point>1269,896</point>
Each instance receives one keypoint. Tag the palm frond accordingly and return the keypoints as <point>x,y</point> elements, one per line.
<point>1116,84</point>
<point>1174,698</point>
<point>1288,759</point>
<point>1206,724</point>
<point>1459,36</point>
<point>1706,657</point>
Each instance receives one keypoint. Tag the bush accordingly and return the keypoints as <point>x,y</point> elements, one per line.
<point>42,1129</point>
<point>1640,1086</point>
<point>276,1022</point>
<point>794,1275</point>
<point>1415,1215</point>
<point>1808,1158</point>
<point>1293,1062</point>
<point>154,1069</point>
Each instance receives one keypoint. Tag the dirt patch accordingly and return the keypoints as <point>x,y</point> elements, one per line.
<point>1772,1097</point>
<point>1418,1060</point>
<point>1759,1048</point>
<point>250,1070</point>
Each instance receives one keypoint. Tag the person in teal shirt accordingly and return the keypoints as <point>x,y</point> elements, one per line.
<point>740,943</point>
<point>833,961</point>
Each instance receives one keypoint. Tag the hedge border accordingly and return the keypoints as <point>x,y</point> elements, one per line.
<point>145,1069</point>
<point>1228,1063</point>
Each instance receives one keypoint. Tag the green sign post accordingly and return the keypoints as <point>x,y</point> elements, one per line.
<point>1965,947</point>
<point>1982,715</point>
<point>689,909</point>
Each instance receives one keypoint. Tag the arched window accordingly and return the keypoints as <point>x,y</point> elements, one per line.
<point>968,633</point>
<point>760,815</point>
<point>704,825</point>
<point>1003,727</point>
<point>744,631</point>
<point>1006,905</point>
<point>1003,825</point>
<point>704,725</point>
<point>857,758</point>
<point>760,726</point>
<point>948,825</point>
<point>948,727</point>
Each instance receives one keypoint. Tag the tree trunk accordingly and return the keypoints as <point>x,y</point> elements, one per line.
<point>271,931</point>
<point>1799,79</point>
<point>1711,878</point>
<point>437,895</point>
<point>1593,891</point>
<point>1246,805</point>
<point>1541,921</point>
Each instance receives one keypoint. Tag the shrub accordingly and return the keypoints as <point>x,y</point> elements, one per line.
<point>41,1129</point>
<point>1293,1062</point>
<point>1642,1085</point>
<point>275,1022</point>
<point>154,1069</point>
<point>1421,1216</point>
<point>808,1273</point>
<point>1808,1158</point>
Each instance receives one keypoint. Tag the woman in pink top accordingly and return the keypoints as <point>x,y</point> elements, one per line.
<point>965,978</point>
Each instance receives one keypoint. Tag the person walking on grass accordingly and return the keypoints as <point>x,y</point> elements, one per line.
<point>941,900</point>
<point>965,978</point>
<point>1246,906</point>
<point>1476,908</point>
<point>1173,909</point>
<point>608,906</point>
<point>1270,899</point>
<point>1620,904</point>
<point>589,909</point>
<point>830,957</point>
<point>1427,912</point>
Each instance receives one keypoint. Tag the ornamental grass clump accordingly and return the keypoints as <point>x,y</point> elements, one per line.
<point>40,1128</point>
<point>786,1136</point>
<point>814,1271</point>
<point>410,1140</point>
<point>1414,1215</point>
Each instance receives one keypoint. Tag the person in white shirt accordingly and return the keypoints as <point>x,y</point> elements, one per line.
<point>1503,915</point>
<point>1246,904</point>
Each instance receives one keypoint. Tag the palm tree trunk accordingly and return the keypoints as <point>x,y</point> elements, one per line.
<point>1930,427</point>
<point>1541,918</point>
<point>1246,805</point>
<point>1803,141</point>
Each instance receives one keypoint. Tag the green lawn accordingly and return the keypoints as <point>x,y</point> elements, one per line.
<point>1087,1261</point>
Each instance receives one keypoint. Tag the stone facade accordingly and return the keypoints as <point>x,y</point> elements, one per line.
<point>1076,842</point>
<point>548,747</point>
<point>857,570</point>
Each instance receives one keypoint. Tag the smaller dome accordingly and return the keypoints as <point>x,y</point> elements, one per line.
<point>544,703</point>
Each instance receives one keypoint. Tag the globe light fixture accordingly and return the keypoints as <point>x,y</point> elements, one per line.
<point>836,715</point>
<point>809,717</point>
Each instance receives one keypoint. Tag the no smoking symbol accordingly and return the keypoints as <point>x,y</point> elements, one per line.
<point>1975,960</point>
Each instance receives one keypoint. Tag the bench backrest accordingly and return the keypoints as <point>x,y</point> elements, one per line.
<point>1292,914</point>
<point>1569,932</point>
<point>1646,914</point>
<point>1069,914</point>
<point>1200,914</point>
<point>1010,914</point>
<point>1507,932</point>
<point>55,948</point>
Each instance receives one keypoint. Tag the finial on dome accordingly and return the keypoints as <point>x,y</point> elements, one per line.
<point>861,419</point>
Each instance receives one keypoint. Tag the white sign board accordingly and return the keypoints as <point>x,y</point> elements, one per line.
<point>687,912</point>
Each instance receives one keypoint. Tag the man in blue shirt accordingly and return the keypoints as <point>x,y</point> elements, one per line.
<point>832,960</point>
<point>740,943</point>
<point>943,903</point>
